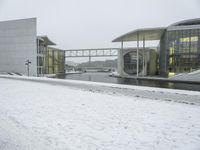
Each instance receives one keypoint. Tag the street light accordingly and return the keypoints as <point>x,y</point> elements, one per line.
<point>27,62</point>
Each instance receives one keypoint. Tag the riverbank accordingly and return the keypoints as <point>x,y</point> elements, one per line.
<point>180,96</point>
<point>40,113</point>
<point>106,78</point>
<point>172,80</point>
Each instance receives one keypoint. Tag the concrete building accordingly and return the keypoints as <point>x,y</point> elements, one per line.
<point>178,50</point>
<point>18,43</point>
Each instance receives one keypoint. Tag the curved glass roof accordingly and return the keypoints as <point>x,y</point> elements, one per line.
<point>153,33</point>
<point>187,22</point>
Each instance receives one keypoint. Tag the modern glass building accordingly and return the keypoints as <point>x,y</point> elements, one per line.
<point>178,50</point>
<point>181,47</point>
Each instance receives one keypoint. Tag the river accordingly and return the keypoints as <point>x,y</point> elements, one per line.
<point>104,77</point>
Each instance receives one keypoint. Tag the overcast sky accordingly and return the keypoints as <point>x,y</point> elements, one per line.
<point>95,23</point>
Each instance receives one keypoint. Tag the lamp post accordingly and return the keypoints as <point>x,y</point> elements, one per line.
<point>27,62</point>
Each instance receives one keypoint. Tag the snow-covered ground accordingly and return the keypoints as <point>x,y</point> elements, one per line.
<point>43,116</point>
<point>181,96</point>
<point>192,76</point>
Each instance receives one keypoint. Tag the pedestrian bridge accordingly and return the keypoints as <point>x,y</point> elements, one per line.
<point>98,52</point>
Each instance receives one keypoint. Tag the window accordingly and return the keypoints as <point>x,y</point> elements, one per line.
<point>184,50</point>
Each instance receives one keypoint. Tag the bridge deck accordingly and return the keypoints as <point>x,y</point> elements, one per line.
<point>100,52</point>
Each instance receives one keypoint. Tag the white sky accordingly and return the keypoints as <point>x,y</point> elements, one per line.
<point>95,23</point>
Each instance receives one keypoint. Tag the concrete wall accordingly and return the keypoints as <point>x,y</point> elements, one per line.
<point>152,69</point>
<point>126,51</point>
<point>150,58</point>
<point>163,54</point>
<point>120,63</point>
<point>17,44</point>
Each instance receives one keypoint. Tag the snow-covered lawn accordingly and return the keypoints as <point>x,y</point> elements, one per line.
<point>42,116</point>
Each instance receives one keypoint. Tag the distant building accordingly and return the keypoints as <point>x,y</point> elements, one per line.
<point>19,42</point>
<point>178,50</point>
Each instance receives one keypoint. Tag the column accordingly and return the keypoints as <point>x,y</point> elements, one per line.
<point>137,54</point>
<point>120,60</point>
<point>143,59</point>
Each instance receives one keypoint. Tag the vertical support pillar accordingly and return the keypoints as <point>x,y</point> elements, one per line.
<point>190,65</point>
<point>137,54</point>
<point>44,60</point>
<point>89,58</point>
<point>143,59</point>
<point>47,62</point>
<point>120,60</point>
<point>198,49</point>
<point>64,57</point>
<point>53,69</point>
<point>37,56</point>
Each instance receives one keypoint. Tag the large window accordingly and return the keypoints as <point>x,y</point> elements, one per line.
<point>40,46</point>
<point>183,50</point>
<point>40,65</point>
<point>130,63</point>
<point>55,61</point>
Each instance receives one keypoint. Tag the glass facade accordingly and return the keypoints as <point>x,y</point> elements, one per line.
<point>183,49</point>
<point>55,61</point>
<point>49,60</point>
<point>40,57</point>
<point>130,63</point>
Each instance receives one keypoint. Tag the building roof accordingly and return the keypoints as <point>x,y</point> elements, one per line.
<point>195,21</point>
<point>46,40</point>
<point>147,33</point>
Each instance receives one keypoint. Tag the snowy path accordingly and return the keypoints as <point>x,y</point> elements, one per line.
<point>43,116</point>
<point>180,96</point>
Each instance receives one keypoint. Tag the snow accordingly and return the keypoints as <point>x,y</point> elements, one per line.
<point>43,116</point>
<point>89,83</point>
<point>50,75</point>
<point>114,74</point>
<point>181,96</point>
<point>191,76</point>
<point>73,72</point>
